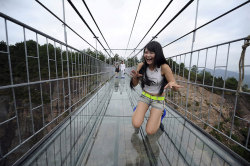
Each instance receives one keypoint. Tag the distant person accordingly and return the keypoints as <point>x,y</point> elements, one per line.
<point>155,75</point>
<point>123,67</point>
<point>117,69</point>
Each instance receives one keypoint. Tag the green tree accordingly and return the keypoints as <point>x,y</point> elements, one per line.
<point>116,58</point>
<point>231,83</point>
<point>88,51</point>
<point>208,78</point>
<point>4,73</point>
<point>101,56</point>
<point>245,87</point>
<point>182,66</point>
<point>218,82</point>
<point>194,69</point>
<point>132,61</point>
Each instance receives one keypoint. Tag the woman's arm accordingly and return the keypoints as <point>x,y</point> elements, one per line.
<point>136,75</point>
<point>167,72</point>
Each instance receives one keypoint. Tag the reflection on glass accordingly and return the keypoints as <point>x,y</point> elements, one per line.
<point>148,149</point>
<point>122,84</point>
<point>116,84</point>
<point>119,84</point>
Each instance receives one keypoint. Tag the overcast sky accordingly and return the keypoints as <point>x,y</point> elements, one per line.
<point>115,19</point>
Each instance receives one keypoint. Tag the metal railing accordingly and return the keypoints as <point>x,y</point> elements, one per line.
<point>41,85</point>
<point>214,98</point>
<point>211,97</point>
<point>181,142</point>
<point>71,140</point>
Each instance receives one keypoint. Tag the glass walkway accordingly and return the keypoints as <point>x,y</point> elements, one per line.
<point>61,104</point>
<point>112,140</point>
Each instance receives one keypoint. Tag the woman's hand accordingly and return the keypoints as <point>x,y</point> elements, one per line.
<point>135,74</point>
<point>173,85</point>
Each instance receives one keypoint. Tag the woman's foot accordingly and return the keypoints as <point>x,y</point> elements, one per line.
<point>162,127</point>
<point>136,130</point>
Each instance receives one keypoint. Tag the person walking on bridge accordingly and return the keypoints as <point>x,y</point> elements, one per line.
<point>155,76</point>
<point>123,67</point>
<point>117,69</point>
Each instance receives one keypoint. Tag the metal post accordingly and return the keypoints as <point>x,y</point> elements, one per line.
<point>110,58</point>
<point>134,59</point>
<point>193,40</point>
<point>105,59</point>
<point>96,59</point>
<point>67,55</point>
<point>96,45</point>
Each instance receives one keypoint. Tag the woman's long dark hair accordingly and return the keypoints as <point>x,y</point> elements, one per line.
<point>159,60</point>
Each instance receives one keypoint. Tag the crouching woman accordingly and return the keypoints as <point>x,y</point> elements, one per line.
<point>155,75</point>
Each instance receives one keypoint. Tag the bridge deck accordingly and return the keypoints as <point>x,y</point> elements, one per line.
<point>113,141</point>
<point>180,144</point>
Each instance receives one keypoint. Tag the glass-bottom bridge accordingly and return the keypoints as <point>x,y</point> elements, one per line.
<point>61,105</point>
<point>100,133</point>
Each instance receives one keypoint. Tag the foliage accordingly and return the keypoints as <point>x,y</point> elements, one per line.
<point>231,83</point>
<point>132,61</point>
<point>216,135</point>
<point>242,152</point>
<point>194,69</point>
<point>95,54</point>
<point>245,87</point>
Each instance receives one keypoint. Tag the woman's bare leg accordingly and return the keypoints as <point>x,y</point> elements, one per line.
<point>139,114</point>
<point>154,121</point>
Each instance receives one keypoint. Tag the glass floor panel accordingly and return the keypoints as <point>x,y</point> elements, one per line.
<point>108,139</point>
<point>179,144</point>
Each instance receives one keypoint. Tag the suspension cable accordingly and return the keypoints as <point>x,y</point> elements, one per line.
<point>205,24</point>
<point>78,13</point>
<point>154,24</point>
<point>189,3</point>
<point>36,31</point>
<point>208,22</point>
<point>216,45</point>
<point>96,24</point>
<point>133,25</point>
<point>63,22</point>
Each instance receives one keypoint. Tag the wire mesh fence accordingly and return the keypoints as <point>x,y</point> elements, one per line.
<point>43,81</point>
<point>181,142</point>
<point>71,140</point>
<point>214,97</point>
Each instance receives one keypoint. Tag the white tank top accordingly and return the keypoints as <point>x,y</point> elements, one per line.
<point>156,78</point>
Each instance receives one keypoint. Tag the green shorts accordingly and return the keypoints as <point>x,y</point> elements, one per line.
<point>158,104</point>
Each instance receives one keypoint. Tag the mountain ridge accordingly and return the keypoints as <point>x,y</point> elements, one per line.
<point>221,73</point>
